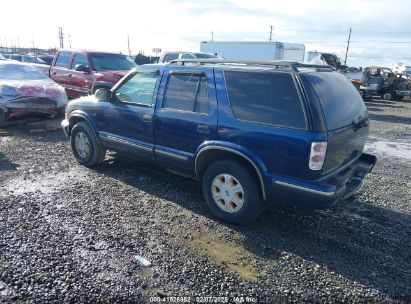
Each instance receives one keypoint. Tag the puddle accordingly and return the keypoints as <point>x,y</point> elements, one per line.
<point>393,149</point>
<point>234,257</point>
<point>44,184</point>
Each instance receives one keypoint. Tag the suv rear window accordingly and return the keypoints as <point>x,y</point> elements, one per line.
<point>341,103</point>
<point>265,97</point>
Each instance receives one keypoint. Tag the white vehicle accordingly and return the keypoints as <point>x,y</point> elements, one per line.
<point>255,50</point>
<point>401,68</point>
<point>170,56</point>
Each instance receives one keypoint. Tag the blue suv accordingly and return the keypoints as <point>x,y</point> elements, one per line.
<point>251,132</point>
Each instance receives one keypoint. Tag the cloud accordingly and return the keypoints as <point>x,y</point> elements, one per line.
<point>180,25</point>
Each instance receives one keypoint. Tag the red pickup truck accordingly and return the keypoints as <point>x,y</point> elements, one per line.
<point>83,72</point>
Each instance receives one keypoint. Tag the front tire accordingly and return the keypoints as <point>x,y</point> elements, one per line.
<point>231,192</point>
<point>84,144</point>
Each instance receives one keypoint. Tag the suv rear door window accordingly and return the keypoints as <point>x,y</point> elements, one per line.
<point>63,59</point>
<point>265,97</point>
<point>187,92</point>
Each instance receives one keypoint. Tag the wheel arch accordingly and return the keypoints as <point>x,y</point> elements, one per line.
<point>77,116</point>
<point>212,153</point>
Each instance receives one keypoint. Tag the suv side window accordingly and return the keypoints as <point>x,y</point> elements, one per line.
<point>187,92</point>
<point>79,58</point>
<point>138,89</point>
<point>170,56</point>
<point>265,97</point>
<point>63,59</point>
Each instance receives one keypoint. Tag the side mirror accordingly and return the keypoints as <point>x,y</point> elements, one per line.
<point>103,95</point>
<point>81,68</point>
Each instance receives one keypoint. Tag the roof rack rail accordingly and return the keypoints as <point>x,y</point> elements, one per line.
<point>293,65</point>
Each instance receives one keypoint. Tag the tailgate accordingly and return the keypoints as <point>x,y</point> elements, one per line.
<point>345,144</point>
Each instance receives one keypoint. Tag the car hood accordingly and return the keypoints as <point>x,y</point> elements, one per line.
<point>11,90</point>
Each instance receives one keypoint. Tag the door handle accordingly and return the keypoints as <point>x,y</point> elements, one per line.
<point>204,129</point>
<point>54,73</point>
<point>69,75</point>
<point>147,118</point>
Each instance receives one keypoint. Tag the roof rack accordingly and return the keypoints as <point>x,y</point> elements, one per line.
<point>276,64</point>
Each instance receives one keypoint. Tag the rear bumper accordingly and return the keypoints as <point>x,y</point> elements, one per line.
<point>324,192</point>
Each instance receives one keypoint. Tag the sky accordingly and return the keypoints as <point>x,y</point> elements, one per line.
<point>381,29</point>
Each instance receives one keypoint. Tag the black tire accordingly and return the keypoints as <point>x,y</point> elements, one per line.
<point>252,203</point>
<point>96,152</point>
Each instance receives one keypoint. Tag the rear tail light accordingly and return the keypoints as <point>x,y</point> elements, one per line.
<point>317,155</point>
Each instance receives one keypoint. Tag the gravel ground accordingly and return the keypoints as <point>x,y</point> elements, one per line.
<point>72,234</point>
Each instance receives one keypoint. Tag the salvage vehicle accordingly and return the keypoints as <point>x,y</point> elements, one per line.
<point>381,81</point>
<point>251,132</point>
<point>170,56</point>
<point>24,89</point>
<point>403,87</point>
<point>83,72</point>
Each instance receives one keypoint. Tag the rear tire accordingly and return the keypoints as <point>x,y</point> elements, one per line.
<point>231,192</point>
<point>86,149</point>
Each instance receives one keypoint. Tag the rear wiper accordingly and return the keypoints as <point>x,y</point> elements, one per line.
<point>360,123</point>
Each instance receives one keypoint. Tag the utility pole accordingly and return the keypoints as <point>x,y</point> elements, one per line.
<point>61,38</point>
<point>271,33</point>
<point>70,41</point>
<point>212,35</point>
<point>348,45</point>
<point>128,45</point>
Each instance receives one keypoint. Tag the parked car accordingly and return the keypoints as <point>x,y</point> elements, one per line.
<point>83,72</point>
<point>25,58</point>
<point>2,57</point>
<point>24,89</point>
<point>170,56</point>
<point>48,59</point>
<point>381,81</point>
<point>251,132</point>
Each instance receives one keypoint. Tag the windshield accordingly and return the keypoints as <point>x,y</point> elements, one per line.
<point>20,72</point>
<point>341,102</point>
<point>107,62</point>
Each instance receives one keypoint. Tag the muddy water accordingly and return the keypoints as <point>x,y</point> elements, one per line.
<point>231,256</point>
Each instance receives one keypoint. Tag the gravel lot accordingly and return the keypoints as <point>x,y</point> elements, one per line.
<point>72,234</point>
